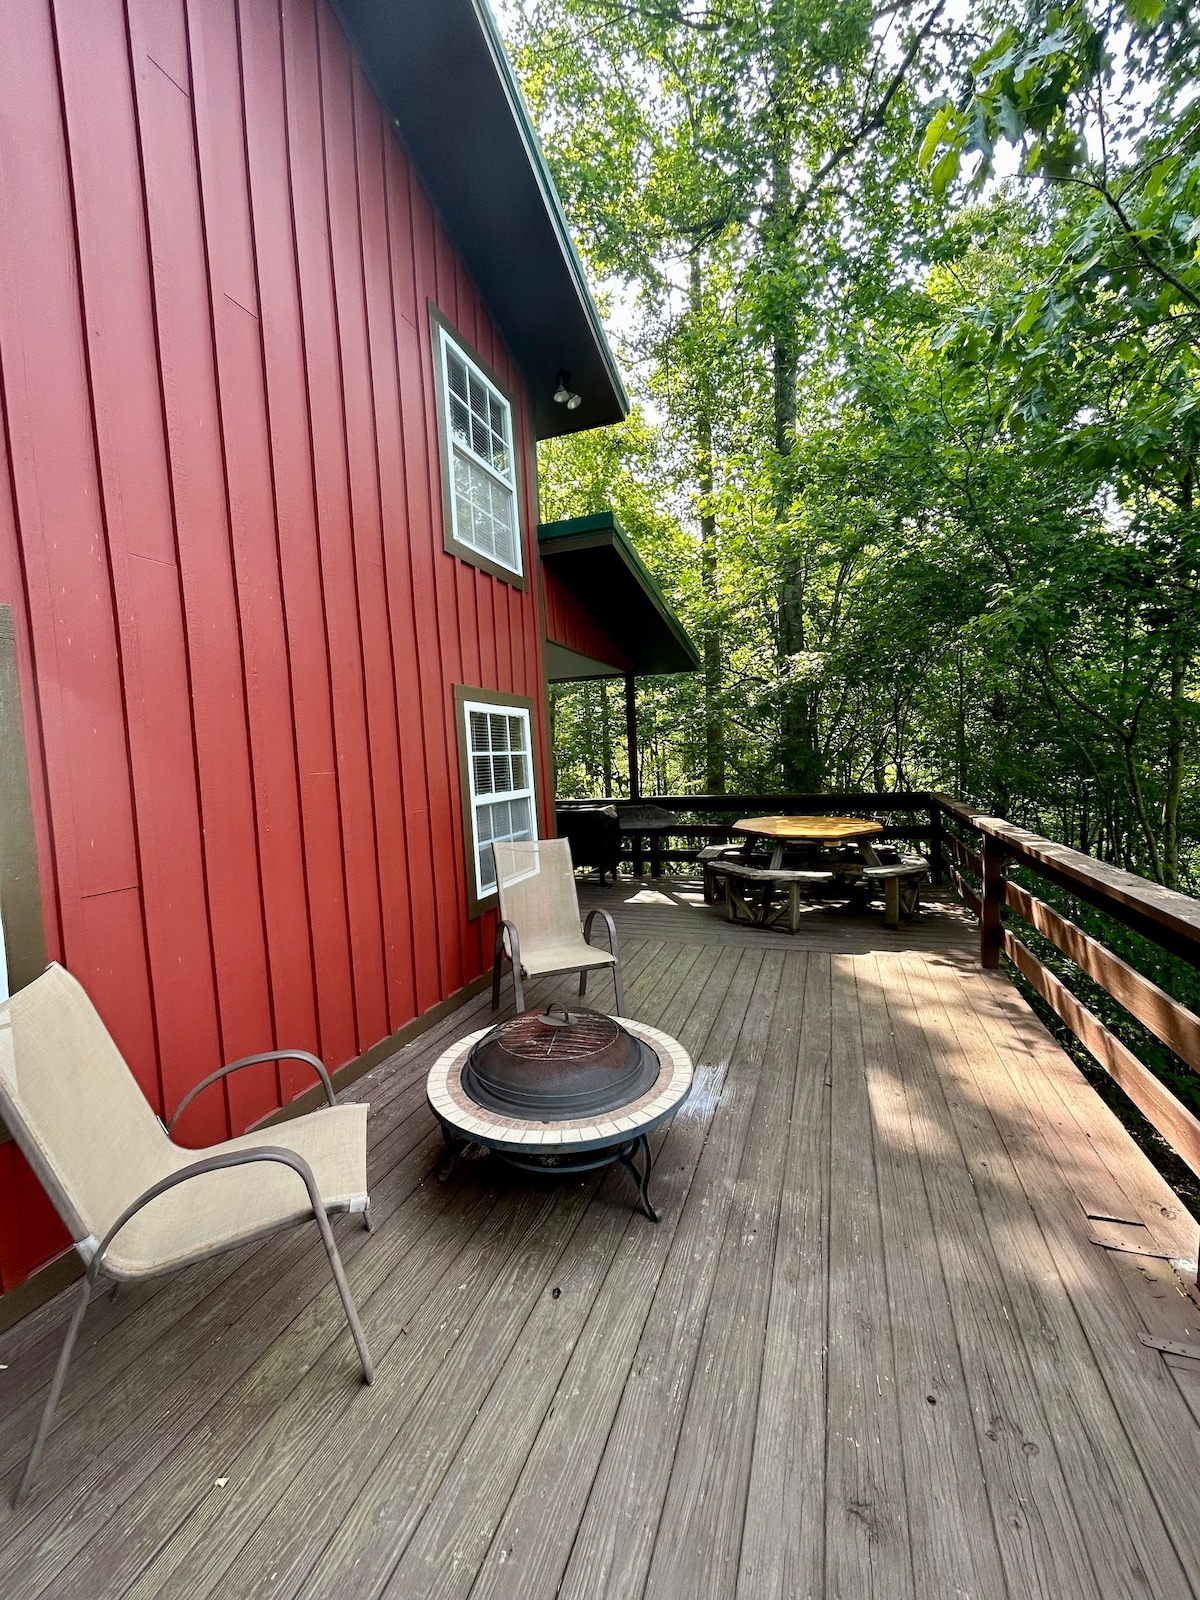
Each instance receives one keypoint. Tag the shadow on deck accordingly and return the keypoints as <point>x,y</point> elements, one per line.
<point>674,909</point>
<point>870,1349</point>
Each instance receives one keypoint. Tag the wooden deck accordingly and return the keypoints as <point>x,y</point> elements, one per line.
<point>869,1350</point>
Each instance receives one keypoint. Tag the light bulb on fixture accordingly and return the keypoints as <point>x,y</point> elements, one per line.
<point>562,395</point>
<point>574,402</point>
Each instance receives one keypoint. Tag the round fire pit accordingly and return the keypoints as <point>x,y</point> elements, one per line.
<point>560,1091</point>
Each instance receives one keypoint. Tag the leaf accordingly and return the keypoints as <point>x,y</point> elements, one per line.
<point>944,174</point>
<point>1147,12</point>
<point>1032,310</point>
<point>1009,119</point>
<point>941,124</point>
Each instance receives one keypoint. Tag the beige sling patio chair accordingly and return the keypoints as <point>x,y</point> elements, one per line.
<point>539,928</point>
<point>136,1203</point>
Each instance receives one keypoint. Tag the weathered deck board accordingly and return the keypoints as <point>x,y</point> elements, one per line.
<point>866,1517</point>
<point>869,1350</point>
<point>1127,1542</point>
<point>952,1538</point>
<point>612,1550</point>
<point>697,1546</point>
<point>783,1544</point>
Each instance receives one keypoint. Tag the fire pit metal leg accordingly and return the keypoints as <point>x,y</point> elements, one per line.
<point>642,1178</point>
<point>454,1148</point>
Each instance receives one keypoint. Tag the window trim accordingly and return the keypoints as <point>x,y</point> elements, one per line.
<point>441,329</point>
<point>465,695</point>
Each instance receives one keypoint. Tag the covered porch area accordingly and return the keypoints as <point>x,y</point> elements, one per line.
<point>895,1333</point>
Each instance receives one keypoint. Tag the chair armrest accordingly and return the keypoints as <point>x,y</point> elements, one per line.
<point>253,1061</point>
<point>503,926</point>
<point>197,1169</point>
<point>612,930</point>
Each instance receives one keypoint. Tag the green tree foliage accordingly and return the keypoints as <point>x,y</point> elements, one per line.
<point>910,302</point>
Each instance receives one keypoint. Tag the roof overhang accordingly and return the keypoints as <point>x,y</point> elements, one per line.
<point>440,70</point>
<point>593,557</point>
<point>571,666</point>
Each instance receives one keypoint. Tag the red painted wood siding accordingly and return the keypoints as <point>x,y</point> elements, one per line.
<point>221,535</point>
<point>570,624</point>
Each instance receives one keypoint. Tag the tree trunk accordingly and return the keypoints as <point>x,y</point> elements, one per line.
<point>714,723</point>
<point>606,740</point>
<point>1177,712</point>
<point>801,758</point>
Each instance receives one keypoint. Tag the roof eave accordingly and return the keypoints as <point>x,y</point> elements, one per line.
<point>488,178</point>
<point>603,531</point>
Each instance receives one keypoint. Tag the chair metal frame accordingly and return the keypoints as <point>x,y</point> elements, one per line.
<point>93,1254</point>
<point>506,930</point>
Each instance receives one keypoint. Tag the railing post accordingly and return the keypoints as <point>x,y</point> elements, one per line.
<point>937,866</point>
<point>991,901</point>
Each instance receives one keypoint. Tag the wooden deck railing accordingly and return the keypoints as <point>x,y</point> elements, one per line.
<point>725,809</point>
<point>975,852</point>
<point>1168,919</point>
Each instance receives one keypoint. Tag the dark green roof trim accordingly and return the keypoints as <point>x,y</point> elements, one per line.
<point>596,560</point>
<point>439,68</point>
<point>553,201</point>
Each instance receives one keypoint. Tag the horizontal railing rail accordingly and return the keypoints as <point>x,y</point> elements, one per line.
<point>975,853</point>
<point>1167,918</point>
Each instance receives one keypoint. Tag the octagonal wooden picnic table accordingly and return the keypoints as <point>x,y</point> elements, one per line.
<point>782,831</point>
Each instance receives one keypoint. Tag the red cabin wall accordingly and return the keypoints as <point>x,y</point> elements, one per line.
<point>221,536</point>
<point>570,624</point>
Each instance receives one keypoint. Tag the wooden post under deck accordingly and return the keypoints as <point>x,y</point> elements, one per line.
<point>635,786</point>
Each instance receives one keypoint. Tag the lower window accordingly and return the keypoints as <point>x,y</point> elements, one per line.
<point>496,755</point>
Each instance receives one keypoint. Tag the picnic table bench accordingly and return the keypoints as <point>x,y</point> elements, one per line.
<point>768,896</point>
<point>901,887</point>
<point>750,892</point>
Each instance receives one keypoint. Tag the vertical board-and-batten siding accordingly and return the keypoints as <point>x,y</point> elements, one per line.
<point>221,536</point>
<point>571,624</point>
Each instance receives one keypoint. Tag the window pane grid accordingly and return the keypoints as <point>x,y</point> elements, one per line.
<point>479,417</point>
<point>501,782</point>
<point>483,484</point>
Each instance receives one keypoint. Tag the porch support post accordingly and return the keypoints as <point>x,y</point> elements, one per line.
<point>631,744</point>
<point>635,787</point>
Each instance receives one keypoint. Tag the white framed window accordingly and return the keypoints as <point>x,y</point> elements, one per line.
<point>479,469</point>
<point>496,750</point>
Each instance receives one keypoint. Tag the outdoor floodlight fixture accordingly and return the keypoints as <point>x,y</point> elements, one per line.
<point>564,396</point>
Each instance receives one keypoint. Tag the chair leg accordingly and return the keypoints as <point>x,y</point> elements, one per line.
<point>343,1288</point>
<point>619,988</point>
<point>518,987</point>
<point>368,1224</point>
<point>56,1386</point>
<point>583,976</point>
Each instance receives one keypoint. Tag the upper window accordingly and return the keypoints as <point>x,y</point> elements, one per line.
<point>479,480</point>
<point>495,747</point>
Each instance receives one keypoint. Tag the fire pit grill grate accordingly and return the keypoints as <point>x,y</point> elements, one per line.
<point>533,1038</point>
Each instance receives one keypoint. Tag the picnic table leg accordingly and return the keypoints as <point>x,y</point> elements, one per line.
<point>891,903</point>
